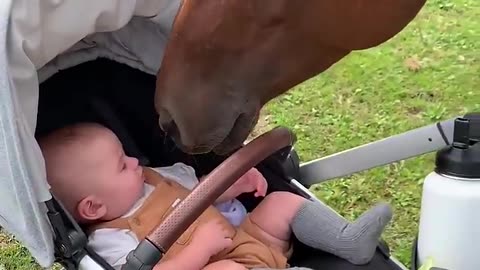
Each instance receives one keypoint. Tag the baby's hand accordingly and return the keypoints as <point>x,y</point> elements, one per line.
<point>251,181</point>
<point>208,240</point>
<point>211,237</point>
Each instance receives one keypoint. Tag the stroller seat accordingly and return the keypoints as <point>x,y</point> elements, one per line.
<point>121,98</point>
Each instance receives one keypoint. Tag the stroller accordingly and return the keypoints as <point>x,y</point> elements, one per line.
<point>99,88</point>
<point>90,83</point>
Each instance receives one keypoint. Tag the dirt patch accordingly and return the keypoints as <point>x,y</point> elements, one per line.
<point>413,64</point>
<point>5,239</point>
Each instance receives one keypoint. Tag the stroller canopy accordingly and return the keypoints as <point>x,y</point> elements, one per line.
<point>39,38</point>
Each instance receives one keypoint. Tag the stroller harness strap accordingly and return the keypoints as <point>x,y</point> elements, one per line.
<point>248,247</point>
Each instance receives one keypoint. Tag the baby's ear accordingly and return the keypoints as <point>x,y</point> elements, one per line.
<point>91,208</point>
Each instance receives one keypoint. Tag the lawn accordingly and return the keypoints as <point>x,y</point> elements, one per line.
<point>429,72</point>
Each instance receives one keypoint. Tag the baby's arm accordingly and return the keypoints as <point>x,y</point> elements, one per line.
<point>185,175</point>
<point>251,181</point>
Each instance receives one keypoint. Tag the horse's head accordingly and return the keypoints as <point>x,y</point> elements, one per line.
<point>226,59</point>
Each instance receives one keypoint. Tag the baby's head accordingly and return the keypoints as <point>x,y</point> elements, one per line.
<point>89,172</point>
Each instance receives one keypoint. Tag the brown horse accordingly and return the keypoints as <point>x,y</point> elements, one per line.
<point>226,58</point>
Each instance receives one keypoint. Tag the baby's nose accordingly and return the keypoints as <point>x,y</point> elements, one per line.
<point>133,162</point>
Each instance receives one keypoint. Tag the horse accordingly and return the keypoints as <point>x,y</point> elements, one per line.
<point>225,60</point>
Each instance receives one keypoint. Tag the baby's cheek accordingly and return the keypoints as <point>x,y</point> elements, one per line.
<point>137,189</point>
<point>129,196</point>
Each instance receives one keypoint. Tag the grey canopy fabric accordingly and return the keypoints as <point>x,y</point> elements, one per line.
<point>38,38</point>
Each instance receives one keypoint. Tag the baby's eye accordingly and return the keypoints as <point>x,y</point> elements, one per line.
<point>124,166</point>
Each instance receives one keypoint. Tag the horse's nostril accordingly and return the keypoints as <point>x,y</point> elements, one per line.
<point>165,120</point>
<point>168,126</point>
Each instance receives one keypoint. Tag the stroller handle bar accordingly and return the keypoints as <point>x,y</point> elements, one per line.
<point>409,144</point>
<point>160,239</point>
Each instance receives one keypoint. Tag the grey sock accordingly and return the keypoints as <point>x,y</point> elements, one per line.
<point>318,226</point>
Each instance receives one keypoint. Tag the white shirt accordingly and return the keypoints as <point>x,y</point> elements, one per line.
<point>113,245</point>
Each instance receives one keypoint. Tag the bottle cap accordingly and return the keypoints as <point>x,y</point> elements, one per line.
<point>462,157</point>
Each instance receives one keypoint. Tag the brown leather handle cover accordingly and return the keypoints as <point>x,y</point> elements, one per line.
<point>217,182</point>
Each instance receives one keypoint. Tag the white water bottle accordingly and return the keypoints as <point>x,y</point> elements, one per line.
<point>449,229</point>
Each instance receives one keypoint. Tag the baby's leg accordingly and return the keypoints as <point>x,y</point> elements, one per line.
<point>318,226</point>
<point>224,265</point>
<point>274,216</point>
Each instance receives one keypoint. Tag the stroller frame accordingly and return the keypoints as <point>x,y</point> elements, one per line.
<point>71,242</point>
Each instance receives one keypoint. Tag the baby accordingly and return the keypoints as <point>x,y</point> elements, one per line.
<point>120,202</point>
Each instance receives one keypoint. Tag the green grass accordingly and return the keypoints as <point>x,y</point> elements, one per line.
<point>429,72</point>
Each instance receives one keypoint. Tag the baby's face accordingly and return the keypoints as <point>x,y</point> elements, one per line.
<point>118,178</point>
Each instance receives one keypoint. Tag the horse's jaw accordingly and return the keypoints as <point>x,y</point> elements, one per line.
<point>200,124</point>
